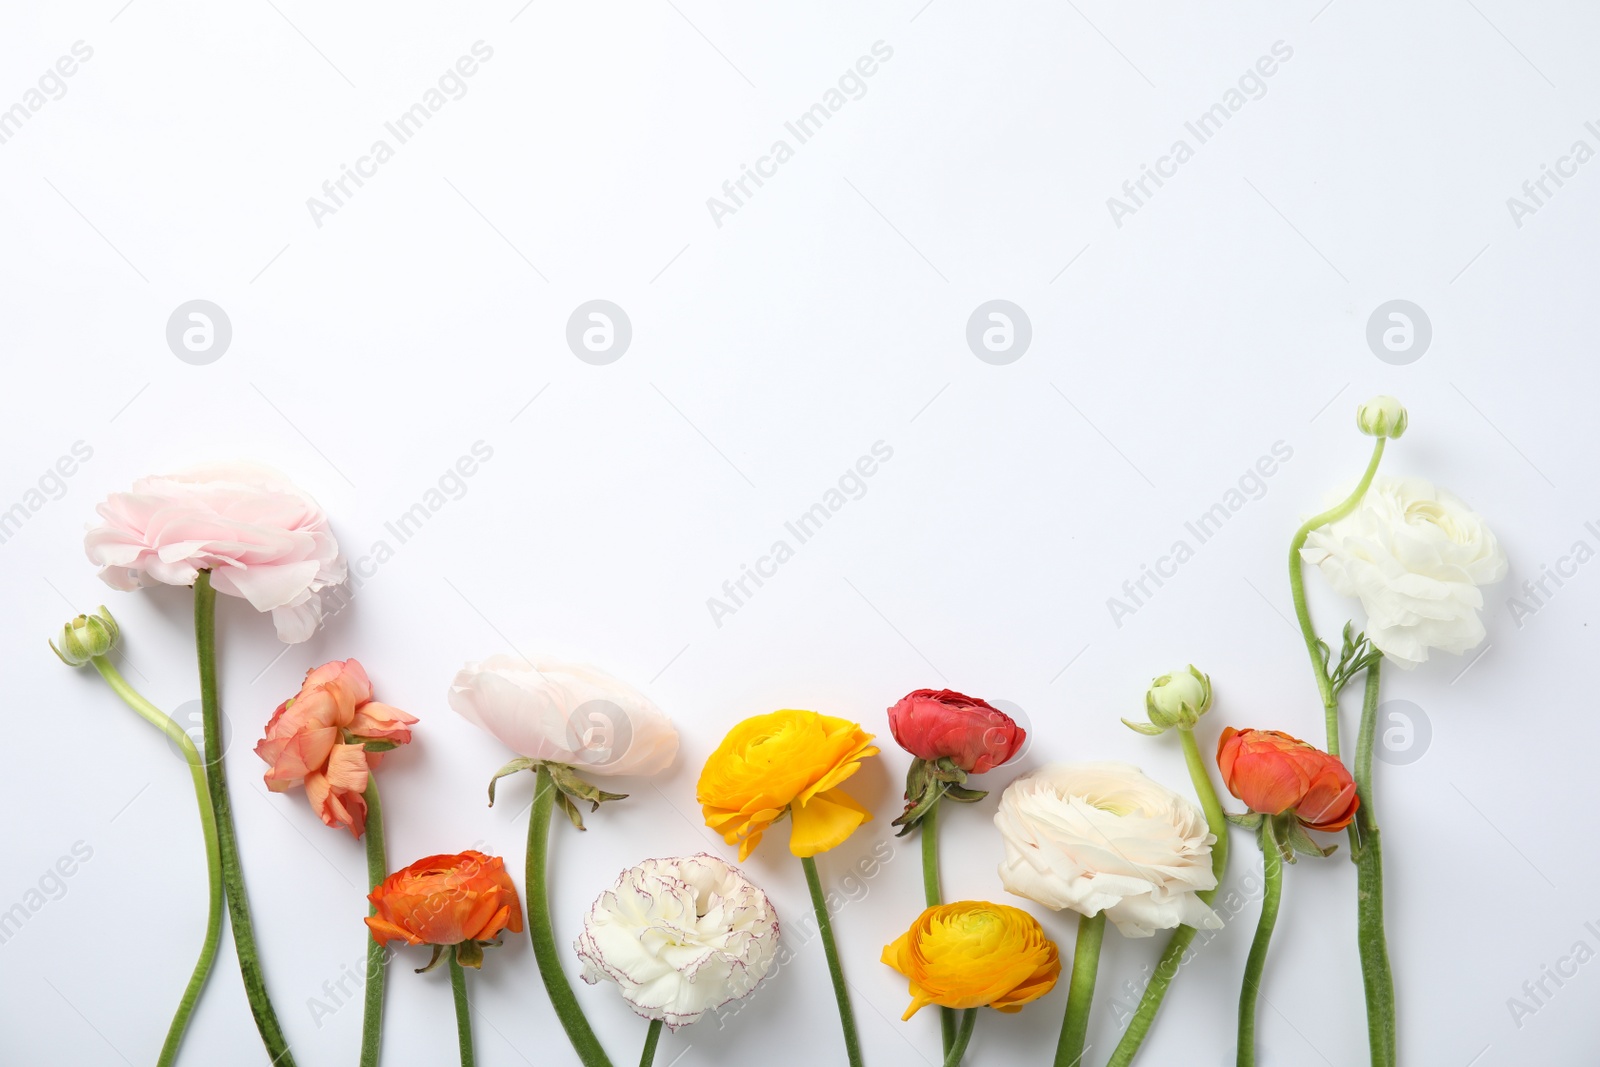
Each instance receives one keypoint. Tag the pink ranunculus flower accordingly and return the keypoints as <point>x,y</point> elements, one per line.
<point>934,723</point>
<point>260,537</point>
<point>317,738</point>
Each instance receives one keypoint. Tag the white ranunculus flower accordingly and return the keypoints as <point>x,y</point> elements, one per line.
<point>1415,555</point>
<point>680,937</point>
<point>568,713</point>
<point>1099,837</point>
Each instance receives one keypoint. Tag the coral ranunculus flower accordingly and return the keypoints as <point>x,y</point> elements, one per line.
<point>447,900</point>
<point>974,954</point>
<point>785,761</point>
<point>317,738</point>
<point>932,724</point>
<point>1274,773</point>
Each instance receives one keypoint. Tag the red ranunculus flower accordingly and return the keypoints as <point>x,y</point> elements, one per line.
<point>1274,773</point>
<point>934,723</point>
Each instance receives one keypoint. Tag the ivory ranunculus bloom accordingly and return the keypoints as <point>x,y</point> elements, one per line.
<point>1274,773</point>
<point>571,713</point>
<point>680,937</point>
<point>974,954</point>
<point>788,761</point>
<point>1099,837</point>
<point>261,538</point>
<point>1415,556</point>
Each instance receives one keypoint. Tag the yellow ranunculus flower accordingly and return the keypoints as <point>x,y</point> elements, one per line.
<point>785,761</point>
<point>973,954</point>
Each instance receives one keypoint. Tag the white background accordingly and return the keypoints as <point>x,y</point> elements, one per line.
<point>1168,354</point>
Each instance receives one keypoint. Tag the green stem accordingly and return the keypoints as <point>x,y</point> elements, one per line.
<point>1297,586</point>
<point>969,1019</point>
<point>1080,994</point>
<point>931,893</point>
<point>1250,991</point>
<point>458,987</point>
<point>1178,944</point>
<point>1367,851</point>
<point>590,1052</point>
<point>651,1038</point>
<point>244,938</point>
<point>841,993</point>
<point>208,828</point>
<point>377,955</point>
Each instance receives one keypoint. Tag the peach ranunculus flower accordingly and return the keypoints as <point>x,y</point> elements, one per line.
<point>464,901</point>
<point>974,954</point>
<point>786,761</point>
<point>261,538</point>
<point>327,737</point>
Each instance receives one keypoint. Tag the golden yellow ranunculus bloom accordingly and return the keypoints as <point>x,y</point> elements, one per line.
<point>974,954</point>
<point>785,761</point>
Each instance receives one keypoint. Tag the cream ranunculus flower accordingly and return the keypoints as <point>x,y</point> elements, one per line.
<point>1415,555</point>
<point>558,712</point>
<point>680,937</point>
<point>261,538</point>
<point>1099,837</point>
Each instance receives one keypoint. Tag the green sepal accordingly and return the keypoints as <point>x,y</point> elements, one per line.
<point>470,954</point>
<point>566,805</point>
<point>438,954</point>
<point>965,795</point>
<point>1149,729</point>
<point>377,745</point>
<point>566,779</point>
<point>1296,838</point>
<point>521,763</point>
<point>1250,820</point>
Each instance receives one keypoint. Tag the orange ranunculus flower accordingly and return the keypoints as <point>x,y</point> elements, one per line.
<point>1274,773</point>
<point>785,761</point>
<point>974,954</point>
<point>317,738</point>
<point>462,900</point>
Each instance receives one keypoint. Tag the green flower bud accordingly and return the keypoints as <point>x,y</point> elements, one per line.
<point>1382,416</point>
<point>86,637</point>
<point>1176,699</point>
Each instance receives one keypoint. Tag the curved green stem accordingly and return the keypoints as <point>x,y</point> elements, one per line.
<point>651,1039</point>
<point>1172,957</point>
<point>932,894</point>
<point>458,987</point>
<point>1080,994</point>
<point>579,1032</point>
<point>377,955</point>
<point>208,827</point>
<point>969,1019</point>
<point>1250,991</point>
<point>1297,586</point>
<point>1367,851</point>
<point>841,992</point>
<point>244,938</point>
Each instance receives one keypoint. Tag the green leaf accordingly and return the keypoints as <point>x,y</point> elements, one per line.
<point>521,763</point>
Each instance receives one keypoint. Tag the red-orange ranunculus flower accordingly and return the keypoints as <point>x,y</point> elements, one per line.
<point>934,723</point>
<point>1274,773</point>
<point>446,900</point>
<point>316,739</point>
